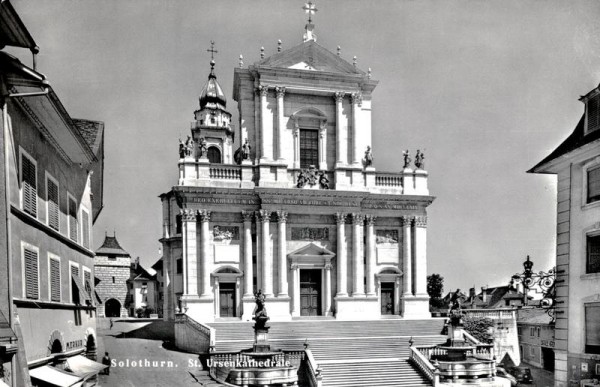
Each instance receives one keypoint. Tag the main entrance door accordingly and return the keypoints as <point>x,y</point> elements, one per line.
<point>310,292</point>
<point>387,298</point>
<point>548,357</point>
<point>227,299</point>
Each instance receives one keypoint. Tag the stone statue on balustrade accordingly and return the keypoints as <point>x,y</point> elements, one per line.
<point>181,149</point>
<point>323,181</point>
<point>203,148</point>
<point>419,160</point>
<point>407,159</point>
<point>260,311</point>
<point>242,153</point>
<point>188,147</point>
<point>368,157</point>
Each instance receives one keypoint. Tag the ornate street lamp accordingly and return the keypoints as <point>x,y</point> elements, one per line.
<point>544,281</point>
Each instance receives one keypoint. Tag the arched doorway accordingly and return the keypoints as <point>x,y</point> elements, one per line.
<point>227,284</point>
<point>90,348</point>
<point>112,308</point>
<point>56,346</point>
<point>214,155</point>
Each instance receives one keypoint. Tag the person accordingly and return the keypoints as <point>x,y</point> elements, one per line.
<point>106,362</point>
<point>111,323</point>
<point>246,150</point>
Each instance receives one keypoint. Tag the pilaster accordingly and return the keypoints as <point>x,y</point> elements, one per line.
<point>342,262</point>
<point>204,254</point>
<point>356,101</point>
<point>190,258</point>
<point>406,223</point>
<point>266,125</point>
<point>341,145</point>
<point>296,290</point>
<point>420,254</point>
<point>248,269</point>
<point>327,306</point>
<point>280,92</point>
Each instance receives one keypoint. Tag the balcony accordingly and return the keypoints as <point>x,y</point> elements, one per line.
<point>201,173</point>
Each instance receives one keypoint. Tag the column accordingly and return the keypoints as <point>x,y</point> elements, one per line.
<point>397,292</point>
<point>296,145</point>
<point>267,257</point>
<point>358,287</point>
<point>370,220</point>
<point>296,289</point>
<point>204,256</point>
<point>342,262</point>
<point>280,91</point>
<point>266,127</point>
<point>190,257</point>
<point>248,269</point>
<point>217,298</point>
<point>406,221</point>
<point>356,101</point>
<point>340,146</point>
<point>327,290</point>
<point>323,146</point>
<point>420,254</point>
<point>282,247</point>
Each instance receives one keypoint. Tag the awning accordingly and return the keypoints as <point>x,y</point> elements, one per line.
<point>83,294</point>
<point>84,367</point>
<point>5,331</point>
<point>55,377</point>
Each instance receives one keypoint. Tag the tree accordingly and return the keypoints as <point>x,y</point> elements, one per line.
<point>482,328</point>
<point>435,288</point>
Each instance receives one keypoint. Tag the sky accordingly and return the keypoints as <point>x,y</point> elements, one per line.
<point>486,89</point>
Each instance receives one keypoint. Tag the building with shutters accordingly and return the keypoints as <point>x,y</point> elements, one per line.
<point>53,186</point>
<point>576,163</point>
<point>298,210</point>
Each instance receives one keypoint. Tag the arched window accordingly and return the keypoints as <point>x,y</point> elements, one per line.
<point>214,155</point>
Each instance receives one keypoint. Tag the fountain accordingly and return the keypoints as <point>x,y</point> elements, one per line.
<point>259,365</point>
<point>460,362</point>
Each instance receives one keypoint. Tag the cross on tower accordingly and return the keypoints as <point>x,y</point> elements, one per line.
<point>310,9</point>
<point>212,50</point>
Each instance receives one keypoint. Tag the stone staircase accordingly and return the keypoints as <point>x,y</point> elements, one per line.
<point>349,353</point>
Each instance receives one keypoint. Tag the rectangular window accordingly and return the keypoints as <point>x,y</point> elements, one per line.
<point>592,328</point>
<point>85,229</point>
<point>30,257</point>
<point>72,219</point>
<point>179,266</point>
<point>74,290</point>
<point>177,224</point>
<point>52,203</point>
<point>29,185</point>
<point>54,280</point>
<point>593,185</point>
<point>309,148</point>
<point>593,254</point>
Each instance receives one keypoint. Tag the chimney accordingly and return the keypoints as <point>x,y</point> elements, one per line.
<point>472,293</point>
<point>484,293</point>
<point>137,262</point>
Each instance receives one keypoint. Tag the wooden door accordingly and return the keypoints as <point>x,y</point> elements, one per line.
<point>227,299</point>
<point>387,298</point>
<point>310,292</point>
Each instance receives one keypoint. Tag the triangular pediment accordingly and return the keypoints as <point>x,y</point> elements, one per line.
<point>312,250</point>
<point>310,56</point>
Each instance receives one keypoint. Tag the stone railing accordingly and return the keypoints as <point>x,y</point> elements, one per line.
<point>494,314</point>
<point>192,336</point>
<point>388,179</point>
<point>314,372</point>
<point>225,172</point>
<point>419,360</point>
<point>243,360</point>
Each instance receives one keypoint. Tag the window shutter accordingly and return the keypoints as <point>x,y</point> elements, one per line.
<point>31,274</point>
<point>72,220</point>
<point>29,184</point>
<point>593,113</point>
<point>55,280</point>
<point>53,220</point>
<point>74,290</point>
<point>85,229</point>
<point>87,278</point>
<point>592,328</point>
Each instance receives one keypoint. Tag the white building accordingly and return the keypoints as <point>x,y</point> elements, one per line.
<point>299,212</point>
<point>576,162</point>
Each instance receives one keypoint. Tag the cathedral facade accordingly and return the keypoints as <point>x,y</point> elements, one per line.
<point>297,211</point>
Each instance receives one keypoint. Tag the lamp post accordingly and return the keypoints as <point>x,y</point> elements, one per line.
<point>544,281</point>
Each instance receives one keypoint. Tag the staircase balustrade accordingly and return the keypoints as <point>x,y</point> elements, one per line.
<point>314,371</point>
<point>204,336</point>
<point>421,361</point>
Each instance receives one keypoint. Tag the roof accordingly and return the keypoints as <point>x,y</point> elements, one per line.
<point>111,247</point>
<point>575,140</point>
<point>212,95</point>
<point>533,316</point>
<point>12,29</point>
<point>158,265</point>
